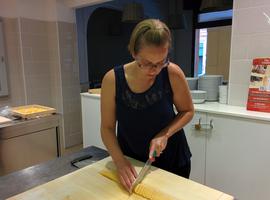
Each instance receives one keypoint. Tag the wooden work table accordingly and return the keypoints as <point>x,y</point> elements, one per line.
<point>88,183</point>
<point>23,180</point>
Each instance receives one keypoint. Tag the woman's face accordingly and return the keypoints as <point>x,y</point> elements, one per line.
<point>151,59</point>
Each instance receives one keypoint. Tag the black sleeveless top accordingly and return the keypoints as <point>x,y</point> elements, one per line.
<point>140,116</point>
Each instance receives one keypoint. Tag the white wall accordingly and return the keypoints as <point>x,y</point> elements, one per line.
<point>8,8</point>
<point>42,48</point>
<point>48,10</point>
<point>64,13</point>
<point>250,39</point>
<point>37,9</point>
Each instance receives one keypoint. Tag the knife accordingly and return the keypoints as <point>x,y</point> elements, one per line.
<point>143,172</point>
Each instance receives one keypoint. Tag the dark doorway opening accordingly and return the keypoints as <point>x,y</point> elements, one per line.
<point>107,40</point>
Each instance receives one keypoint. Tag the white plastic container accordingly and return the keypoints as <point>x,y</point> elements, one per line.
<point>223,94</point>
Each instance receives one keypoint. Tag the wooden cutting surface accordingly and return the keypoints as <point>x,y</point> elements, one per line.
<point>88,184</point>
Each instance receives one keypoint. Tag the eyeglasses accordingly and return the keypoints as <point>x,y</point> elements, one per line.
<point>147,65</point>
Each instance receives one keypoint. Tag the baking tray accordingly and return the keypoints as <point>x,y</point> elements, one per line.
<point>95,91</point>
<point>32,111</point>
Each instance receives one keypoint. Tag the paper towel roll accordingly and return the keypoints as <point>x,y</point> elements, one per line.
<point>223,94</point>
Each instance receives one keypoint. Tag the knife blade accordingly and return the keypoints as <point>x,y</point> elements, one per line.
<point>143,172</point>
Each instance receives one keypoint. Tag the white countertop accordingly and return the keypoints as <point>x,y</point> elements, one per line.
<point>237,111</point>
<point>217,108</point>
<point>93,96</point>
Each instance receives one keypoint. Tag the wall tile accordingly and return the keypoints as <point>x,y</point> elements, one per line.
<point>242,4</point>
<point>36,68</point>
<point>39,96</point>
<point>57,99</point>
<point>12,39</point>
<point>44,67</point>
<point>250,39</point>
<point>33,26</point>
<point>34,41</point>
<point>14,58</point>
<point>239,48</point>
<point>27,54</point>
<point>259,45</point>
<point>41,54</point>
<point>240,72</point>
<point>251,20</point>
<point>237,94</point>
<point>73,139</point>
<point>260,2</point>
<point>11,25</point>
<point>70,83</point>
<point>38,81</point>
<point>52,28</point>
<point>55,74</point>
<point>14,68</point>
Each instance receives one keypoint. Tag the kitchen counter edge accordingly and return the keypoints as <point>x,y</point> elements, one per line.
<point>216,108</point>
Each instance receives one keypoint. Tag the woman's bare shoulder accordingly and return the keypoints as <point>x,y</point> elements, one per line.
<point>175,72</point>
<point>109,77</point>
<point>108,84</point>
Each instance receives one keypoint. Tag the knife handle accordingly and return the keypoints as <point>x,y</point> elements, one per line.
<point>153,156</point>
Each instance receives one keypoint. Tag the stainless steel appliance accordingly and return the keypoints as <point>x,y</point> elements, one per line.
<point>25,143</point>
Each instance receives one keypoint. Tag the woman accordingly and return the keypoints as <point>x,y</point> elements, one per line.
<point>139,96</point>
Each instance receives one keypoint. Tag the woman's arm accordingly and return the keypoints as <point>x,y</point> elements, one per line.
<point>183,104</point>
<point>126,171</point>
<point>108,119</point>
<point>181,99</point>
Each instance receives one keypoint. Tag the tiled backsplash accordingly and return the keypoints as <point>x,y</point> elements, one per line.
<point>70,82</point>
<point>13,64</point>
<point>3,70</point>
<point>43,69</point>
<point>250,39</point>
<point>36,51</point>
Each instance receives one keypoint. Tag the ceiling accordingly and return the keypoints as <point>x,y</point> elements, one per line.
<point>191,4</point>
<point>82,3</point>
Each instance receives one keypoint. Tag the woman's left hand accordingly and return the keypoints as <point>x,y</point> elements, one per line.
<point>158,144</point>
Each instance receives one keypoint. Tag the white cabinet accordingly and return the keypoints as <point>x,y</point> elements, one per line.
<point>235,156</point>
<point>197,144</point>
<point>91,120</point>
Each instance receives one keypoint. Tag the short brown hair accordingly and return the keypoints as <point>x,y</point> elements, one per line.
<point>149,32</point>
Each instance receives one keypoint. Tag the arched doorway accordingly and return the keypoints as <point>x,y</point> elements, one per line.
<point>107,40</point>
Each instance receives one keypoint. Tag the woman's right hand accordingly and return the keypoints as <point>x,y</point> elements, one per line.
<point>126,172</point>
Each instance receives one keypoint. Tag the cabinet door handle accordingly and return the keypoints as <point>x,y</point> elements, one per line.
<point>211,124</point>
<point>200,126</point>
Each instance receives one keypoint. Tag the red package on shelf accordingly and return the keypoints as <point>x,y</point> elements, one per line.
<point>259,87</point>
